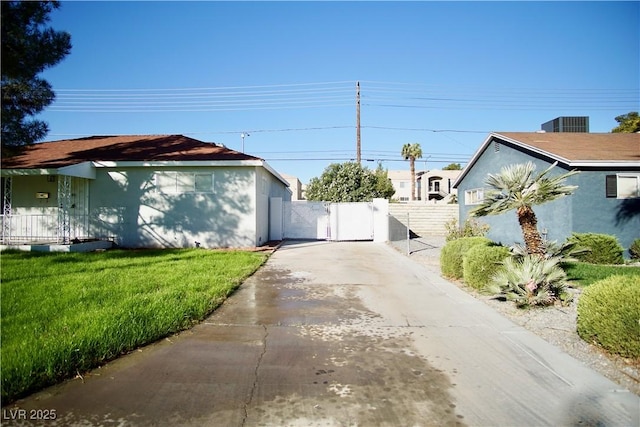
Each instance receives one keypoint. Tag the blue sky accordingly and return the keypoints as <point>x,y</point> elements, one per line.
<point>442,74</point>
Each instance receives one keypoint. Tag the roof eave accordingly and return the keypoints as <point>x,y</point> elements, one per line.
<point>175,163</point>
<point>604,163</point>
<point>473,160</point>
<point>26,171</point>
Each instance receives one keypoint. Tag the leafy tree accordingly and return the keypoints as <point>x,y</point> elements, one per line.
<point>349,182</point>
<point>384,186</point>
<point>515,187</point>
<point>452,167</point>
<point>627,123</point>
<point>412,152</point>
<point>28,48</point>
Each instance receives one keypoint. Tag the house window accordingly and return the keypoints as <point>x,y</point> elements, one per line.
<point>403,184</point>
<point>184,182</point>
<point>474,196</point>
<point>622,186</point>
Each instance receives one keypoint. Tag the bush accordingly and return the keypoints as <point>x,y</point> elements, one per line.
<point>481,263</point>
<point>609,315</point>
<point>634,250</point>
<point>470,228</point>
<point>453,252</point>
<point>531,280</point>
<point>604,249</point>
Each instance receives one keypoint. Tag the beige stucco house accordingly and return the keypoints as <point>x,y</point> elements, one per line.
<point>434,186</point>
<point>138,191</point>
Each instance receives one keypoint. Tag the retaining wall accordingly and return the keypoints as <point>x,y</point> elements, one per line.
<point>424,219</point>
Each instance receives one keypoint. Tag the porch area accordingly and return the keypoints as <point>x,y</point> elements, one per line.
<point>50,216</point>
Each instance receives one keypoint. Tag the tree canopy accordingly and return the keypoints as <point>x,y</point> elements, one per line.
<point>350,182</point>
<point>452,167</point>
<point>627,123</point>
<point>412,152</point>
<point>28,48</point>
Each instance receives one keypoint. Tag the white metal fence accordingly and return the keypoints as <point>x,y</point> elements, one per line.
<point>40,228</point>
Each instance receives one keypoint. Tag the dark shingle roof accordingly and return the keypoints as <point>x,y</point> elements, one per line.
<point>57,154</point>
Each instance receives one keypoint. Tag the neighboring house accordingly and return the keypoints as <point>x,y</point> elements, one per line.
<point>139,191</point>
<point>436,186</point>
<point>295,185</point>
<point>401,181</point>
<point>607,200</point>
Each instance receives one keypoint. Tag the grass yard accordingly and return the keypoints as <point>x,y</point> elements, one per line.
<point>586,274</point>
<point>63,314</point>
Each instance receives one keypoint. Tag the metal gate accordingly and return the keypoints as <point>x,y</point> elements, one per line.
<point>327,221</point>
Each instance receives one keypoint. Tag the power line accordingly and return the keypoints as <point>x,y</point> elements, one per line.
<point>339,94</point>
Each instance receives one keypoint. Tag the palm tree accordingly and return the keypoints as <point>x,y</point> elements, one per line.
<point>515,187</point>
<point>412,152</point>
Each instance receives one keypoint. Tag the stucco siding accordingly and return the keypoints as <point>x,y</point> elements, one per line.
<point>267,186</point>
<point>554,218</point>
<point>127,205</point>
<point>593,212</point>
<point>23,195</point>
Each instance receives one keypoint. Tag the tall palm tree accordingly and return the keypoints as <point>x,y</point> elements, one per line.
<point>412,152</point>
<point>516,187</point>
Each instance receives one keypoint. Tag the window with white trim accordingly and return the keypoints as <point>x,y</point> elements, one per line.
<point>184,182</point>
<point>622,186</point>
<point>474,196</point>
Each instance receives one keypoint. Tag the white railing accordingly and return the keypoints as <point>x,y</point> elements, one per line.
<point>39,228</point>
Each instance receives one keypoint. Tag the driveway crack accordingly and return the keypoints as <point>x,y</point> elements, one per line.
<point>255,375</point>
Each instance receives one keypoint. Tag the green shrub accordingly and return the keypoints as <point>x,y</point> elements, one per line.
<point>531,281</point>
<point>634,250</point>
<point>481,263</point>
<point>470,228</point>
<point>609,315</point>
<point>453,252</point>
<point>604,249</point>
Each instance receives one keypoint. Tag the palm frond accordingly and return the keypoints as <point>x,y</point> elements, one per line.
<point>516,186</point>
<point>531,280</point>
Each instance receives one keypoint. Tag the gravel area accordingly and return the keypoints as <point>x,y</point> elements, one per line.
<point>556,325</point>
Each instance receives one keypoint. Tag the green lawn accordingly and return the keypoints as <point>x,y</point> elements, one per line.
<point>585,274</point>
<point>63,314</point>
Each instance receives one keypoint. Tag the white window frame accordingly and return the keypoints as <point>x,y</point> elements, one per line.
<point>628,176</point>
<point>474,196</point>
<point>174,182</point>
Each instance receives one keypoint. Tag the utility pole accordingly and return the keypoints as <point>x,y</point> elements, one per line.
<point>243,135</point>
<point>358,122</point>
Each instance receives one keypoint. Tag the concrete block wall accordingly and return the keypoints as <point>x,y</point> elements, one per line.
<point>424,219</point>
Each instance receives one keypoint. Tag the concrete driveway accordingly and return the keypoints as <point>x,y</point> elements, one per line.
<point>343,334</point>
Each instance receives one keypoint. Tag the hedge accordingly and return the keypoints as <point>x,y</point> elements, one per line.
<point>480,264</point>
<point>604,248</point>
<point>453,252</point>
<point>609,315</point>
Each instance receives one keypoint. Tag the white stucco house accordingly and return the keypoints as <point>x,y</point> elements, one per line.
<point>138,191</point>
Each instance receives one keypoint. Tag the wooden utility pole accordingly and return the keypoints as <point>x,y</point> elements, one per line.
<point>358,122</point>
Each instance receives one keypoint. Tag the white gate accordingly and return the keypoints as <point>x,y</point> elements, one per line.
<point>305,220</point>
<point>327,221</point>
<point>351,221</point>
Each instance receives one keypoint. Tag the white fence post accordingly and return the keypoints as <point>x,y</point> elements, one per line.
<point>380,220</point>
